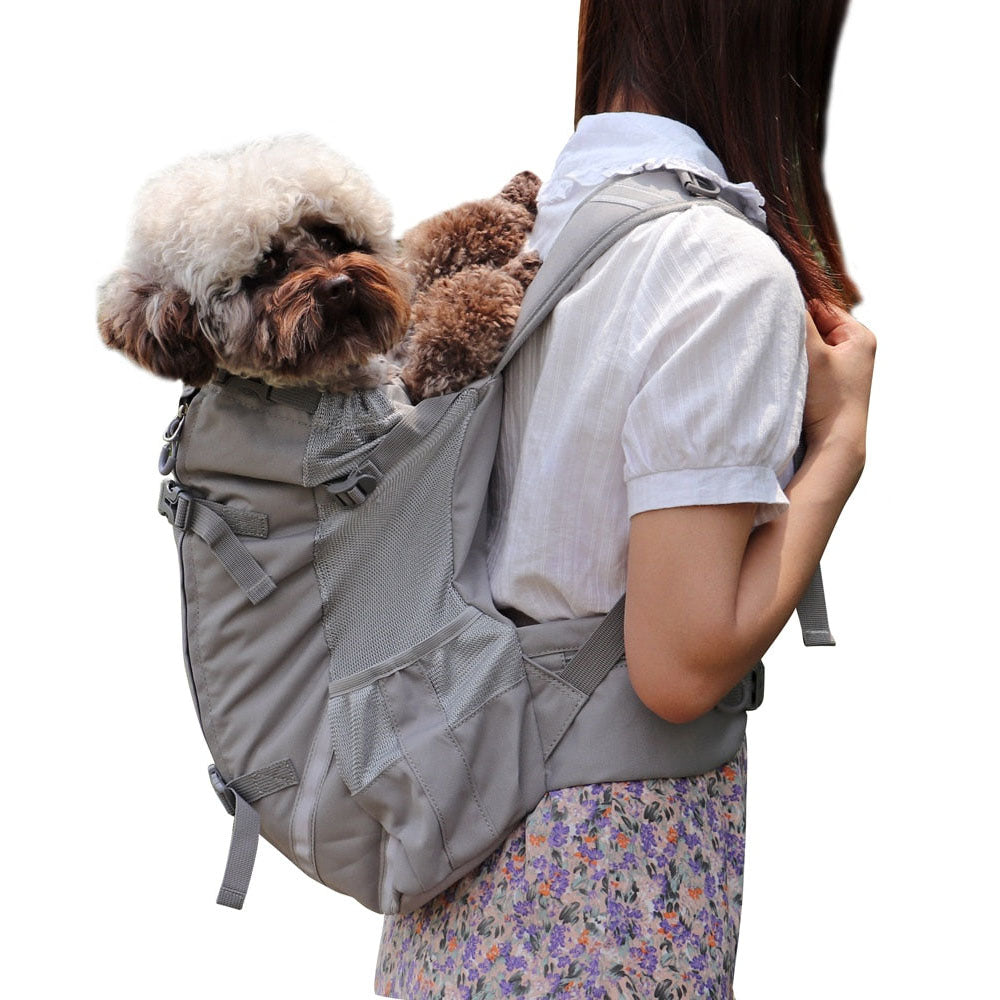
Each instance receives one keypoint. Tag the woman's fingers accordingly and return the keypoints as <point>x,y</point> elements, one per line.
<point>829,320</point>
<point>814,341</point>
<point>841,355</point>
<point>836,325</point>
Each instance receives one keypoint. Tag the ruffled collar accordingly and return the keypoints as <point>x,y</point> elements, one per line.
<point>620,143</point>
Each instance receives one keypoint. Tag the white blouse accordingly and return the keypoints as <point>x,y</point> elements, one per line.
<point>673,374</point>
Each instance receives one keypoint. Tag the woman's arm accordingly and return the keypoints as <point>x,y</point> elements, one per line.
<point>706,595</point>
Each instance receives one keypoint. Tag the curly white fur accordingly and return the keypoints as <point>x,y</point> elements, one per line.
<point>204,223</point>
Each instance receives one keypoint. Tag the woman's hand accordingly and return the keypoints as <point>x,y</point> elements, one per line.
<point>841,355</point>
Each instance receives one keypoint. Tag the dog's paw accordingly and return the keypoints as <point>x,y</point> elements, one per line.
<point>460,329</point>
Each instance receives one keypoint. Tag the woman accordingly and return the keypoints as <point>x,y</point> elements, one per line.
<point>681,357</point>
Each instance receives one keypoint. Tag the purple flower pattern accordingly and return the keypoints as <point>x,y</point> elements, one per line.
<point>626,890</point>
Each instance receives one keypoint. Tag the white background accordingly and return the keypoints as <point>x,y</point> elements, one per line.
<point>871,851</point>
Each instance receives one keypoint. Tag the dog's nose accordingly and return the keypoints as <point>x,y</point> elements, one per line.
<point>337,291</point>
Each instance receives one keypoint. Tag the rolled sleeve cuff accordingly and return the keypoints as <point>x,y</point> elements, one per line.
<point>692,487</point>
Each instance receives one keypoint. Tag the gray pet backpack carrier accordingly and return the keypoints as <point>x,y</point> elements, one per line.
<point>368,709</point>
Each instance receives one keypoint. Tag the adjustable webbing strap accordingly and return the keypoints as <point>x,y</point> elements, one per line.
<point>811,609</point>
<point>599,653</point>
<point>242,855</point>
<point>812,614</point>
<point>606,647</point>
<point>248,523</point>
<point>217,525</point>
<point>238,797</point>
<point>265,780</point>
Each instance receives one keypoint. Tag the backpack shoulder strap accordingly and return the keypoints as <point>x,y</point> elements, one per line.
<point>609,213</point>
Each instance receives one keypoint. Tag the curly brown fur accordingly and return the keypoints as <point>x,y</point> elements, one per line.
<point>319,317</point>
<point>523,268</point>
<point>158,329</point>
<point>491,232</point>
<point>462,330</point>
<point>472,272</point>
<point>523,188</point>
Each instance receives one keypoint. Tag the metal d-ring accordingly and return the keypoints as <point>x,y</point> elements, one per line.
<point>168,453</point>
<point>175,425</point>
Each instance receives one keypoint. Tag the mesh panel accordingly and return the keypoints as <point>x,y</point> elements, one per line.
<point>476,665</point>
<point>344,428</point>
<point>385,573</point>
<point>366,742</point>
<point>384,568</point>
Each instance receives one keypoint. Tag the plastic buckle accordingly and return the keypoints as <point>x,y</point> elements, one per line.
<point>700,187</point>
<point>756,681</point>
<point>226,796</point>
<point>747,695</point>
<point>353,490</point>
<point>174,504</point>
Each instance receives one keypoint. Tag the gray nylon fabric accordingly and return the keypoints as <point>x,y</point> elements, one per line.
<point>408,433</point>
<point>388,722</point>
<point>384,570</point>
<point>299,397</point>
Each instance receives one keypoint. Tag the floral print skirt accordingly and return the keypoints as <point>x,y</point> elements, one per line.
<point>618,890</point>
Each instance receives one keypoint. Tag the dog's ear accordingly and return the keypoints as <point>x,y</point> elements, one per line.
<point>156,326</point>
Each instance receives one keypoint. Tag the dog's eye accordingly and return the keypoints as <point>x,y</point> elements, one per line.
<point>331,238</point>
<point>269,261</point>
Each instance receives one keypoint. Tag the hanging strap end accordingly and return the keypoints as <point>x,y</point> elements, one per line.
<point>230,898</point>
<point>818,637</point>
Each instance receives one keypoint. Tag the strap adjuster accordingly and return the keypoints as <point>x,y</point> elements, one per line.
<point>353,490</point>
<point>747,695</point>
<point>222,789</point>
<point>700,187</point>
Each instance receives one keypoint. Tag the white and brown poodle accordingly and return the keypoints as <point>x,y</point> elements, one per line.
<point>273,261</point>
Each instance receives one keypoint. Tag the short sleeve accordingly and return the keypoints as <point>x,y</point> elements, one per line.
<point>720,324</point>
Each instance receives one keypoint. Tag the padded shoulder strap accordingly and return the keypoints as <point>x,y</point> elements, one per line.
<point>611,212</point>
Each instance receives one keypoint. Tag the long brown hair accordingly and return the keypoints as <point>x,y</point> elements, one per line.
<point>752,77</point>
